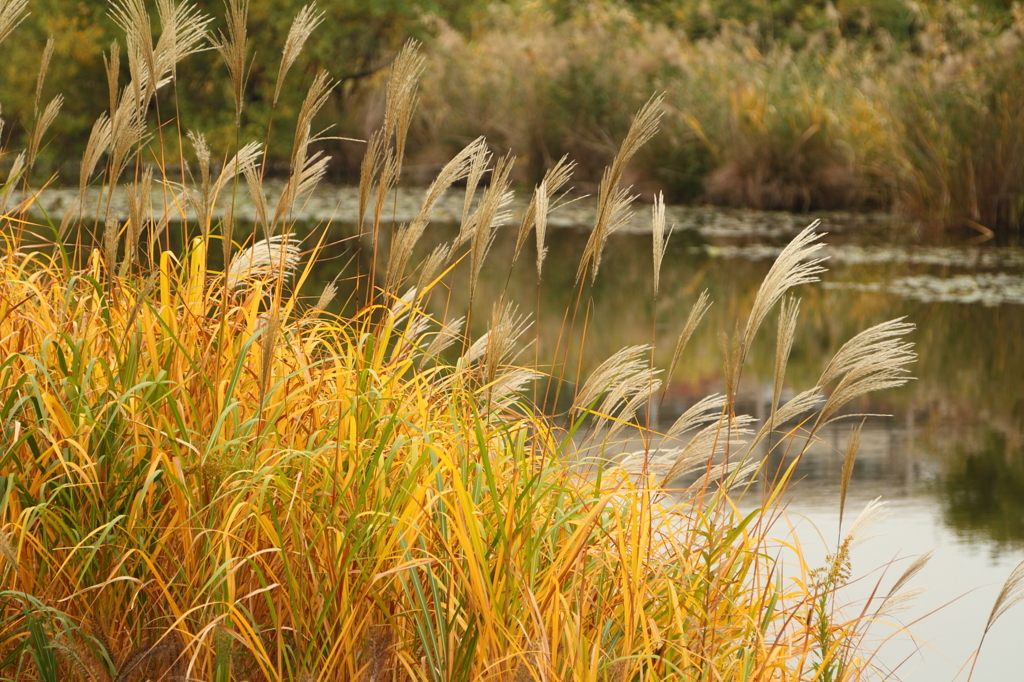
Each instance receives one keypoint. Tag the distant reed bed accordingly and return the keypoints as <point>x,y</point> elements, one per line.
<point>913,108</point>
<point>929,125</point>
<point>207,476</point>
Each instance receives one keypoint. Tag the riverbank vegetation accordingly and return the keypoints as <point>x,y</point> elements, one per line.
<point>801,106</point>
<point>206,475</point>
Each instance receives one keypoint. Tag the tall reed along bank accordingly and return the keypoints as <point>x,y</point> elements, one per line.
<point>206,474</point>
<point>909,107</point>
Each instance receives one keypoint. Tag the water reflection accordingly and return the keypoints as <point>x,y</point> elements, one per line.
<point>982,489</point>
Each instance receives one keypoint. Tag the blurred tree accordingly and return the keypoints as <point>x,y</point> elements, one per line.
<point>983,491</point>
<point>354,42</point>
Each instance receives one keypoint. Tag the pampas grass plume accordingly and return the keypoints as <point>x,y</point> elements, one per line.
<point>302,27</point>
<point>11,14</point>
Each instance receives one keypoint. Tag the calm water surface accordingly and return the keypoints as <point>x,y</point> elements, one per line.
<point>949,462</point>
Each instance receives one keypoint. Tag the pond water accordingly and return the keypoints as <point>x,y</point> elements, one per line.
<point>948,463</point>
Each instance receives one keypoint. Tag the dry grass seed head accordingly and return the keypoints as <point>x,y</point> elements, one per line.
<point>316,97</point>
<point>369,168</point>
<point>132,18</point>
<point>302,27</point>
<point>377,652</point>
<point>326,296</point>
<point>852,446</point>
<point>477,166</point>
<point>407,238</point>
<point>43,124</point>
<point>700,307</point>
<point>884,368</point>
<point>1010,595</point>
<point>259,197</point>
<point>489,215</point>
<point>401,307</point>
<point>431,265</point>
<point>626,398</point>
<point>660,239</point>
<point>405,241</point>
<point>411,337</point>
<point>445,336</point>
<point>796,265</point>
<point>246,158</point>
<point>202,201</point>
<point>99,141</point>
<point>475,351</point>
<point>714,439</point>
<point>612,216</point>
<point>388,180</point>
<point>800,404</point>
<point>263,259</point>
<point>731,475</point>
<point>618,368</point>
<point>897,598</point>
<point>81,660</point>
<point>138,197</point>
<point>534,663</point>
<point>400,104</point>
<point>243,163</point>
<point>112,65</point>
<point>182,33</point>
<point>41,77</point>
<point>110,239</point>
<point>788,317</point>
<point>309,177</point>
<point>127,133</point>
<point>317,94</point>
<point>306,170</point>
<point>873,513</point>
<point>17,166</point>
<point>498,346</point>
<point>458,168</point>
<point>401,251</point>
<point>887,335</point>
<point>506,330</point>
<point>554,180</point>
<point>268,345</point>
<point>703,411</point>
<point>100,629</point>
<point>541,221</point>
<point>7,550</point>
<point>529,218</point>
<point>899,601</point>
<point>11,14</point>
<point>648,460</point>
<point>232,47</point>
<point>169,648</point>
<point>612,201</point>
<point>617,671</point>
<point>508,385</point>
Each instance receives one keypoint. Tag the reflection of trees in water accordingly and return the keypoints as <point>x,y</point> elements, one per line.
<point>983,489</point>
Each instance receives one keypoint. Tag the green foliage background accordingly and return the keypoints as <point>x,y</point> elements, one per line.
<point>355,41</point>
